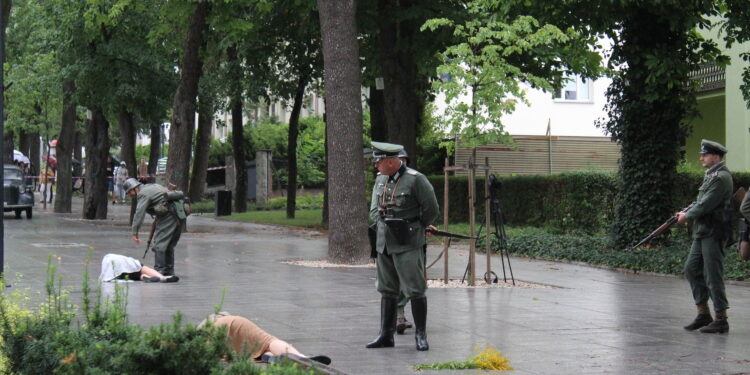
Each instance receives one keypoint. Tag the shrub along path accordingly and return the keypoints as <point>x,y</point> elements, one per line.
<point>597,321</point>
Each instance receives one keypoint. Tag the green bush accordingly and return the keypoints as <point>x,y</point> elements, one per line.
<point>596,250</point>
<point>206,206</point>
<point>571,202</point>
<point>50,340</point>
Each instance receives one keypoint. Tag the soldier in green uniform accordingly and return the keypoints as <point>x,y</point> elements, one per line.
<point>704,267</point>
<point>157,201</point>
<point>403,206</point>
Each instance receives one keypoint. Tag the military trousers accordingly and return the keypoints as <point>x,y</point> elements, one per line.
<point>704,270</point>
<point>166,235</point>
<point>402,272</point>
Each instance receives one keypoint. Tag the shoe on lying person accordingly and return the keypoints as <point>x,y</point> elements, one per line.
<point>151,279</point>
<point>324,359</point>
<point>170,279</point>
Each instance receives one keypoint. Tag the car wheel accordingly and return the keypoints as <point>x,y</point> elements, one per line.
<point>18,213</point>
<point>28,213</point>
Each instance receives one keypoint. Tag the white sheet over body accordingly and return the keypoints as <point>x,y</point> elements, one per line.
<point>114,265</point>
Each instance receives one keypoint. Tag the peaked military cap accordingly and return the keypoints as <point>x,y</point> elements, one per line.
<point>382,150</point>
<point>711,147</point>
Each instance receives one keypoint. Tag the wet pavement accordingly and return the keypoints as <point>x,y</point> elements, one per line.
<point>595,321</point>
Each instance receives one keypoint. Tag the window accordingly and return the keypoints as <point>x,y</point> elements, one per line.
<point>575,89</point>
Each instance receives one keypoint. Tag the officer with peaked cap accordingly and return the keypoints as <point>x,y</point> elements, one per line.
<point>154,200</point>
<point>403,205</point>
<point>704,267</point>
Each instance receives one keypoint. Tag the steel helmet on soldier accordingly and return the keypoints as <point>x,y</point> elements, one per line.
<point>129,184</point>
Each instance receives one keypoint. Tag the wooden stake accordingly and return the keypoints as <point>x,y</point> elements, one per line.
<point>472,243</point>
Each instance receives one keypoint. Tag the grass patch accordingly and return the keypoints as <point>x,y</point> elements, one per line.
<point>302,218</point>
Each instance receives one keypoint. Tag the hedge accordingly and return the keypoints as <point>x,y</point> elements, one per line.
<point>570,202</point>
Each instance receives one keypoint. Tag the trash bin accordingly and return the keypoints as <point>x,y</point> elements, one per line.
<point>223,203</point>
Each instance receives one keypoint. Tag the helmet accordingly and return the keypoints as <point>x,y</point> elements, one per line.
<point>129,184</point>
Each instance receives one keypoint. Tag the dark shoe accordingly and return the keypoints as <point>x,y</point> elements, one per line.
<point>170,279</point>
<point>419,311</point>
<point>151,279</point>
<point>388,307</point>
<point>401,325</point>
<point>324,359</point>
<point>268,358</point>
<point>717,326</point>
<point>701,320</point>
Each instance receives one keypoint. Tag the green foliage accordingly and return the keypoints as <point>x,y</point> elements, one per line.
<point>498,52</point>
<point>50,340</point>
<point>310,218</point>
<point>655,47</point>
<point>597,250</point>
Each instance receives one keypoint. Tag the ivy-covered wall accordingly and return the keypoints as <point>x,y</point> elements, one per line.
<point>570,202</point>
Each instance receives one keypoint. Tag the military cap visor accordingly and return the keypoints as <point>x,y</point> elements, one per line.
<point>382,150</point>
<point>711,147</point>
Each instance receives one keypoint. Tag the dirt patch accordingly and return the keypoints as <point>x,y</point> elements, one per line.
<point>453,283</point>
<point>322,263</point>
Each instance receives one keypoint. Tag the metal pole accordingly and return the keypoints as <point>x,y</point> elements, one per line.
<point>446,240</point>
<point>487,247</point>
<point>472,242</point>
<point>2,134</point>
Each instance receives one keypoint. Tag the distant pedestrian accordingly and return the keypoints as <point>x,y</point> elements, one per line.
<point>111,177</point>
<point>704,267</point>
<point>47,180</point>
<point>143,176</point>
<point>121,174</point>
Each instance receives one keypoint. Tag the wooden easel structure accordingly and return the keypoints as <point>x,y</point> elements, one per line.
<point>472,168</point>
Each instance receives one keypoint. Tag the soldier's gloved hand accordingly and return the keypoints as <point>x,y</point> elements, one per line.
<point>136,240</point>
<point>427,233</point>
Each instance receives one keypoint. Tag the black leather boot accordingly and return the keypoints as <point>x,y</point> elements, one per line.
<point>388,307</point>
<point>701,320</point>
<point>720,325</point>
<point>419,311</point>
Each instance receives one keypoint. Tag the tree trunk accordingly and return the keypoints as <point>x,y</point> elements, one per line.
<point>324,219</point>
<point>8,146</point>
<point>97,150</point>
<point>238,144</point>
<point>403,106</point>
<point>126,123</point>
<point>202,146</point>
<point>291,188</point>
<point>155,151</point>
<point>347,239</point>
<point>77,153</point>
<point>65,145</point>
<point>34,154</point>
<point>378,124</point>
<point>183,112</point>
<point>23,142</point>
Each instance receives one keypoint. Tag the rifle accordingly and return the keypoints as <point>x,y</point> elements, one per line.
<point>667,224</point>
<point>441,233</point>
<point>150,237</point>
<point>737,198</point>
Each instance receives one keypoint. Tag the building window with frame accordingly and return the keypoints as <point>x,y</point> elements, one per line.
<point>576,89</point>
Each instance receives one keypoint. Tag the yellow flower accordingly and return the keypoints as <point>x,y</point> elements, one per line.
<point>491,359</point>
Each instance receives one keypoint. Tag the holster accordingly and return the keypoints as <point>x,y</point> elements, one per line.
<point>721,223</point>
<point>399,228</point>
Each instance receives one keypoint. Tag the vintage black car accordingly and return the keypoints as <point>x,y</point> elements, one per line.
<point>18,195</point>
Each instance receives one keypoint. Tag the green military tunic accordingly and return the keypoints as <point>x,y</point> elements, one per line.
<point>168,225</point>
<point>407,195</point>
<point>704,267</point>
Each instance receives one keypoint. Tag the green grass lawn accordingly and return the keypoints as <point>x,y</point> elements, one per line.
<point>311,218</point>
<point>302,218</point>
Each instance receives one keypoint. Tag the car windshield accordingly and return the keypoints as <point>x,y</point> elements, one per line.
<point>12,174</point>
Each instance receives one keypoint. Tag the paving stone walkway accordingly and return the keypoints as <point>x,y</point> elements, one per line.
<point>595,321</point>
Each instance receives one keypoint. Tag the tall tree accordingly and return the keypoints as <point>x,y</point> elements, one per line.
<point>238,147</point>
<point>347,220</point>
<point>65,145</point>
<point>97,150</point>
<point>183,112</point>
